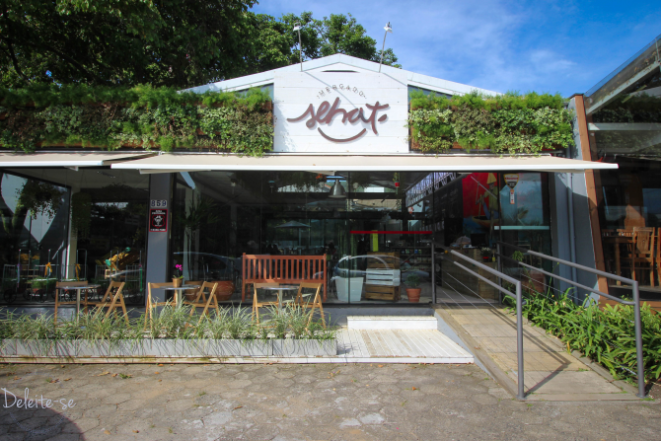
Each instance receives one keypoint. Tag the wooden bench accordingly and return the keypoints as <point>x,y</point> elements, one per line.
<point>288,269</point>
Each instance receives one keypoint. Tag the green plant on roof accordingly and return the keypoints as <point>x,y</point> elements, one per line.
<point>151,118</point>
<point>509,123</point>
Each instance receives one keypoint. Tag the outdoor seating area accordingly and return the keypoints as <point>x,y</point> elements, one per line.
<point>634,252</point>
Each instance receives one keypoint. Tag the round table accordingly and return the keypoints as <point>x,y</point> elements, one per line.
<point>279,290</point>
<point>177,292</point>
<point>78,290</point>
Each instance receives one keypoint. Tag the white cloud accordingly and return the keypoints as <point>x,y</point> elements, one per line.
<point>491,44</point>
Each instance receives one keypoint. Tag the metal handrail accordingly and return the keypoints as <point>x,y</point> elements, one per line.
<point>519,306</point>
<point>635,303</point>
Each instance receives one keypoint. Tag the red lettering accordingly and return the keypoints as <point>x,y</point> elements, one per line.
<point>333,111</point>
<point>325,114</point>
<point>321,112</point>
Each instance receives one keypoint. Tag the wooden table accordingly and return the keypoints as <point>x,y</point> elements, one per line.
<point>617,238</point>
<point>279,290</point>
<point>178,297</point>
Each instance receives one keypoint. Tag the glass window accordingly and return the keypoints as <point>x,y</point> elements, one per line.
<point>96,232</point>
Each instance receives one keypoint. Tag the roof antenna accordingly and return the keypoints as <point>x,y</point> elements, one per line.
<point>388,28</point>
<point>297,27</point>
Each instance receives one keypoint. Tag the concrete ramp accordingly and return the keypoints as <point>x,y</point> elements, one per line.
<point>551,373</point>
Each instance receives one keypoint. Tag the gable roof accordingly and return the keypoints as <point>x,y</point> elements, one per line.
<point>342,62</point>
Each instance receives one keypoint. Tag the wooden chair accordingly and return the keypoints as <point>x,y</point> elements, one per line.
<point>642,252</point>
<point>256,304</point>
<point>201,301</point>
<point>150,302</point>
<point>58,286</point>
<point>302,300</point>
<point>191,292</point>
<point>113,300</point>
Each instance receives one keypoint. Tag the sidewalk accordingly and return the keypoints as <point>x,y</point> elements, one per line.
<point>551,373</point>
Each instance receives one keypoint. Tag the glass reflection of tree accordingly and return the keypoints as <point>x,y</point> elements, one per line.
<point>202,212</point>
<point>33,199</point>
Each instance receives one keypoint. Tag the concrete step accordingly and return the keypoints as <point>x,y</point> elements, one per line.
<point>392,322</point>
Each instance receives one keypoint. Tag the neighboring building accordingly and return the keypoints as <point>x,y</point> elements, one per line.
<point>339,182</point>
<point>620,118</point>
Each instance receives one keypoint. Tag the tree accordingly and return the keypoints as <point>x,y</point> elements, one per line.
<point>275,43</point>
<point>126,42</point>
<point>178,43</point>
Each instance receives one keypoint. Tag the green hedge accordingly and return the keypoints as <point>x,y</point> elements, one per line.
<point>140,117</point>
<point>507,123</point>
<point>605,335</point>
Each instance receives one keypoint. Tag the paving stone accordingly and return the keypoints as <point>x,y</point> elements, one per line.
<point>455,401</point>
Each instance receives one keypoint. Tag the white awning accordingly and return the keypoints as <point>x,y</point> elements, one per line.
<point>172,163</point>
<point>66,159</point>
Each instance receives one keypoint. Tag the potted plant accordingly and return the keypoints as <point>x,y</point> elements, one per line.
<point>178,276</point>
<point>412,290</point>
<point>348,288</point>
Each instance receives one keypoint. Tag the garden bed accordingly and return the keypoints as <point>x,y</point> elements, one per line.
<point>161,348</point>
<point>172,333</point>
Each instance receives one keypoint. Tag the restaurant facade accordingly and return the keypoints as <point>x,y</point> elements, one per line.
<point>345,198</point>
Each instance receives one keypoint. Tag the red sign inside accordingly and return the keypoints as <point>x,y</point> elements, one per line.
<point>158,220</point>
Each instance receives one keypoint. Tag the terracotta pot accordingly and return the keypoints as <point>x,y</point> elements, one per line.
<point>413,294</point>
<point>176,282</point>
<point>225,290</point>
<point>535,282</point>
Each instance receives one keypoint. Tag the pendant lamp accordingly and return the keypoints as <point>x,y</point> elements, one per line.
<point>337,191</point>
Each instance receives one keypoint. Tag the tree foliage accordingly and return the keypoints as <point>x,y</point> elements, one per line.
<point>176,43</point>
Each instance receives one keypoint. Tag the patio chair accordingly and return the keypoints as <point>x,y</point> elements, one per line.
<point>149,307</point>
<point>642,252</point>
<point>256,304</point>
<point>303,300</point>
<point>58,286</point>
<point>191,294</point>
<point>113,300</point>
<point>201,301</point>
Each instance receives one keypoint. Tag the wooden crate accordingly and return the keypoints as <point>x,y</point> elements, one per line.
<point>377,292</point>
<point>383,259</point>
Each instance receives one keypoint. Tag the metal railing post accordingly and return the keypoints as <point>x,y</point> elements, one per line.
<point>635,303</point>
<point>639,340</point>
<point>519,339</point>
<point>499,267</point>
<point>433,273</point>
<point>521,394</point>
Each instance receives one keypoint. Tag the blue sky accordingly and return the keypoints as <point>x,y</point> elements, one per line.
<point>544,46</point>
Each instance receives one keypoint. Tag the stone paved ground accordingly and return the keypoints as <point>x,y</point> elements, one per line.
<point>299,402</point>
